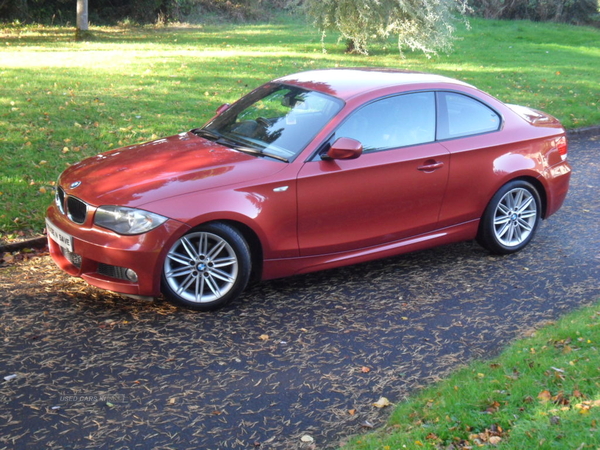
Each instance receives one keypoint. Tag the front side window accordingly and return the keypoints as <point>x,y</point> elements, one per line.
<point>392,122</point>
<point>460,115</point>
<point>275,119</point>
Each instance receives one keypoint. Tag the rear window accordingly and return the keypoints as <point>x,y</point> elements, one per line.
<point>460,115</point>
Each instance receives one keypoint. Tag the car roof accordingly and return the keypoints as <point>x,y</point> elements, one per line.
<point>346,83</point>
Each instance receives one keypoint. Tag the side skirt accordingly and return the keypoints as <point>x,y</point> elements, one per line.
<point>278,268</point>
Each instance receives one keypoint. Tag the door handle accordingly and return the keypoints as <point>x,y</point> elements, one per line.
<point>430,166</point>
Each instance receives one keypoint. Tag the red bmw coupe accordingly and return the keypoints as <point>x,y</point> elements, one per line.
<point>308,172</point>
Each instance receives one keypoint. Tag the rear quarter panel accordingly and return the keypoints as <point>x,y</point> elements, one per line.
<point>480,165</point>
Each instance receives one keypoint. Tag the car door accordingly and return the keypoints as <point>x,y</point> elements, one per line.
<point>394,190</point>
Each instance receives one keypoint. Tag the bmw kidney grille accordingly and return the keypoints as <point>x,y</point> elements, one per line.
<point>75,209</point>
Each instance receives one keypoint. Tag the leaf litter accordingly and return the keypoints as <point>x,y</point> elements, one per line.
<point>97,370</point>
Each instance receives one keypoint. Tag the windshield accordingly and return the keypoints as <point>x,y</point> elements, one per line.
<point>275,120</point>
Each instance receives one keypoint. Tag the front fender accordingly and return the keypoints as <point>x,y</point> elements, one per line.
<point>268,210</point>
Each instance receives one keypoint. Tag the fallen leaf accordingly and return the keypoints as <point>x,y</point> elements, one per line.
<point>381,403</point>
<point>307,438</point>
<point>560,399</point>
<point>8,258</point>
<point>365,369</point>
<point>493,408</point>
<point>545,396</point>
<point>264,337</point>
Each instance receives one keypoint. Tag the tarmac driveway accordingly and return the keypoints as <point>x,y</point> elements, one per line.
<point>302,356</point>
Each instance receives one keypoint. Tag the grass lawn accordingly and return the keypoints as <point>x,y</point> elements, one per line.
<point>542,392</point>
<point>62,100</point>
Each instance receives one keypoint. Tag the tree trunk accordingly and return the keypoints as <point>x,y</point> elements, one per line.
<point>82,15</point>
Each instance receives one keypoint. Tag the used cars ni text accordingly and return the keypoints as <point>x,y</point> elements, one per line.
<point>310,171</point>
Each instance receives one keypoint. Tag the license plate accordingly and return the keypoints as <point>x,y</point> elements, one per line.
<point>60,237</point>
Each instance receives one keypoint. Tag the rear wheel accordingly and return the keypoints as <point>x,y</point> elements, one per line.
<point>206,268</point>
<point>511,218</point>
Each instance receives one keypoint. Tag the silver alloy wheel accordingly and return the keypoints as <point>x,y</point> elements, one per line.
<point>201,267</point>
<point>515,217</point>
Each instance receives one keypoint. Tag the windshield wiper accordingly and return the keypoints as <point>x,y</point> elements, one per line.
<point>247,149</point>
<point>206,134</point>
<point>219,139</point>
<point>251,151</point>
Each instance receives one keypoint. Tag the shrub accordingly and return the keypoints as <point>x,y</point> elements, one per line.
<point>577,12</point>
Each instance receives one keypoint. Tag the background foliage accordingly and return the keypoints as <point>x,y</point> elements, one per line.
<point>111,12</point>
<point>569,11</point>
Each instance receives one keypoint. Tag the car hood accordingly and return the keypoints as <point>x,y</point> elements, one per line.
<point>157,170</point>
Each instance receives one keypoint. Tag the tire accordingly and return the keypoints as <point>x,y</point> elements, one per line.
<point>511,218</point>
<point>206,268</point>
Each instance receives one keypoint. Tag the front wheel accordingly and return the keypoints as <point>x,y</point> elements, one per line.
<point>206,268</point>
<point>511,218</point>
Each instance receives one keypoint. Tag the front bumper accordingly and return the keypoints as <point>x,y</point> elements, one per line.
<point>105,259</point>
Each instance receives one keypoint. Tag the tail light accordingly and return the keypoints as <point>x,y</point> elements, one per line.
<point>563,147</point>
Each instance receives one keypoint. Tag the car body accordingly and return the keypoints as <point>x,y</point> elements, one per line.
<point>311,171</point>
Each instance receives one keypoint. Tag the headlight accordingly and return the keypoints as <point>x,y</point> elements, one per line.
<point>127,221</point>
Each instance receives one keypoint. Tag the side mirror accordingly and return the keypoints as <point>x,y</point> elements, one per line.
<point>221,109</point>
<point>344,148</point>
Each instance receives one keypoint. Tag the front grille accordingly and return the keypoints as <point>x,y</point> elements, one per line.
<point>112,271</point>
<point>77,210</point>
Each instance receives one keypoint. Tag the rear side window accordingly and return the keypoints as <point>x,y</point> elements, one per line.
<point>460,115</point>
<point>392,122</point>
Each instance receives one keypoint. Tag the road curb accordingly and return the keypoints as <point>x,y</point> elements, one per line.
<point>584,132</point>
<point>37,242</point>
<point>41,241</point>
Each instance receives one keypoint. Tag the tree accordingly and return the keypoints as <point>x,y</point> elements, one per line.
<point>425,25</point>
